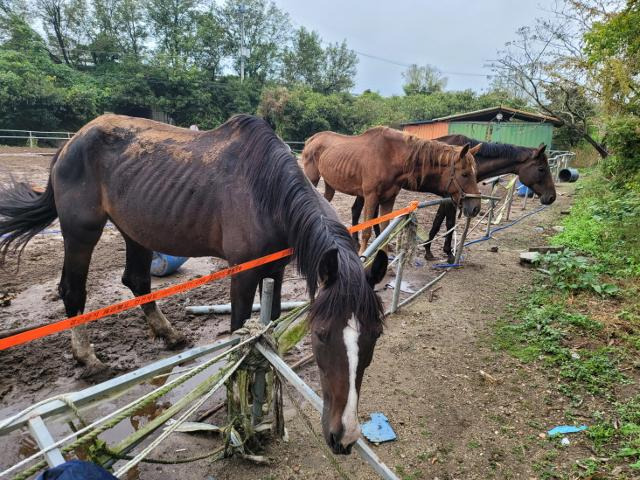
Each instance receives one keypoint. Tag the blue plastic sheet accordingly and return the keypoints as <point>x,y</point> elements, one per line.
<point>76,470</point>
<point>378,429</point>
<point>562,429</point>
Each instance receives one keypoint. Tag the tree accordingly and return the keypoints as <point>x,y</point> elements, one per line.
<point>327,70</point>
<point>173,23</point>
<point>613,55</point>
<point>66,24</point>
<point>423,80</point>
<point>340,68</point>
<point>303,63</point>
<point>209,46</point>
<point>266,32</point>
<point>548,63</point>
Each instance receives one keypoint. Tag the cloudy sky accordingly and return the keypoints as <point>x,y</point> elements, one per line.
<point>458,36</point>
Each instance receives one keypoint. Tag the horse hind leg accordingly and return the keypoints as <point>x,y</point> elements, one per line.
<point>137,277</point>
<point>78,247</point>
<point>329,192</point>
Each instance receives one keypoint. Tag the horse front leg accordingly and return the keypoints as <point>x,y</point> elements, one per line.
<point>370,206</point>
<point>385,207</point>
<point>243,291</point>
<point>435,228</point>
<point>137,276</point>
<point>356,211</point>
<point>451,221</point>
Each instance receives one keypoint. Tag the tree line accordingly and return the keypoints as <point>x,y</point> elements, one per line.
<point>63,62</point>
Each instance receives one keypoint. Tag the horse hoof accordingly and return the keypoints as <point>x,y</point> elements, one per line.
<point>429,256</point>
<point>175,341</point>
<point>94,370</point>
<point>451,259</point>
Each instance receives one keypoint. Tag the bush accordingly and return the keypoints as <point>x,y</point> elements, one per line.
<point>623,141</point>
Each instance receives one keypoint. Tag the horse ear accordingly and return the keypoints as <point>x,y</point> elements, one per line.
<point>539,151</point>
<point>464,151</point>
<point>378,269</point>
<point>475,149</point>
<point>328,267</point>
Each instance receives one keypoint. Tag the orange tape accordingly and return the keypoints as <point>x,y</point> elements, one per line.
<point>72,322</point>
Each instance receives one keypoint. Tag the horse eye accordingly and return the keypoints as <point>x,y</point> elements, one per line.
<point>465,174</point>
<point>323,336</point>
<point>541,169</point>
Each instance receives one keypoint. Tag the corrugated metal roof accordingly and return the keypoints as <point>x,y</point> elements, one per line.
<point>489,114</point>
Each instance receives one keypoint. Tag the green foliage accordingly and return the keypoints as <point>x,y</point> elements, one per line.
<point>604,224</point>
<point>425,80</point>
<point>35,88</point>
<point>571,272</point>
<point>299,113</point>
<point>542,332</point>
<point>329,70</point>
<point>613,53</point>
<point>623,141</point>
<point>619,437</point>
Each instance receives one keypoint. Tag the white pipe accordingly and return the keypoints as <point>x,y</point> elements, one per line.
<point>226,308</point>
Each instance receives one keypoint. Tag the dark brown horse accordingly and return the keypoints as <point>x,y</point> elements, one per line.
<point>493,159</point>
<point>235,192</point>
<point>381,161</point>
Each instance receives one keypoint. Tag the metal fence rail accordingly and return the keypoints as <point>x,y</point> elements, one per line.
<point>33,136</point>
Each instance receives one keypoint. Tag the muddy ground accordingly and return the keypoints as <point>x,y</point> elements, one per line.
<point>452,423</point>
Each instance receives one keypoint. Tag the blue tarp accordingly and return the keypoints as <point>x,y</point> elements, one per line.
<point>76,470</point>
<point>378,429</point>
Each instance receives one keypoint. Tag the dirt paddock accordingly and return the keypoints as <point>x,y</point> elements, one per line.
<point>451,423</point>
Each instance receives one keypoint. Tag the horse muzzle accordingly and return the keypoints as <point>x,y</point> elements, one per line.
<point>471,207</point>
<point>548,199</point>
<point>335,442</point>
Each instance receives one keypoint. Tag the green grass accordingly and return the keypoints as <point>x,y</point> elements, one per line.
<point>604,224</point>
<point>541,329</point>
<point>550,326</point>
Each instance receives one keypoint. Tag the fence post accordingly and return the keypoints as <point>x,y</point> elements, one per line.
<point>493,204</point>
<point>258,389</point>
<point>463,237</point>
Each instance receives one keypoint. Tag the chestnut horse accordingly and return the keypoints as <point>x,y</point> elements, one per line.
<point>378,163</point>
<point>493,159</point>
<point>236,193</point>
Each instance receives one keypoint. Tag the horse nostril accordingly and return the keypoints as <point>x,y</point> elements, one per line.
<point>476,210</point>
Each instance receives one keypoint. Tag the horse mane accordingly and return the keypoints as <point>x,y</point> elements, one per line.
<point>496,150</point>
<point>281,191</point>
<point>425,154</point>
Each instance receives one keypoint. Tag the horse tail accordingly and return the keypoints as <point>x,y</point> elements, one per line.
<point>24,212</point>
<point>309,158</point>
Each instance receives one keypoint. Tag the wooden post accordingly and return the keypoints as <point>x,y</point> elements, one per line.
<point>463,237</point>
<point>258,388</point>
<point>493,204</point>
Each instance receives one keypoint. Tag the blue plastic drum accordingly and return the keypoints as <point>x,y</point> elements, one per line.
<point>163,264</point>
<point>523,190</point>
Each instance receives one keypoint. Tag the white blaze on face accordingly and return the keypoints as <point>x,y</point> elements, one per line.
<point>350,334</point>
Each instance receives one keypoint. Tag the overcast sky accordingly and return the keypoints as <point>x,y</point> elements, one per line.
<point>457,36</point>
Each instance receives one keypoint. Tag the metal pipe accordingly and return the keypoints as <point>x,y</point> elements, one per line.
<point>414,295</point>
<point>226,308</point>
<point>43,438</point>
<point>312,397</point>
<point>95,392</point>
<point>396,288</point>
<point>373,246</point>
